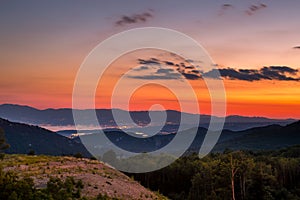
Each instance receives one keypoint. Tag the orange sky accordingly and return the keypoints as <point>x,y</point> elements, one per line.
<point>270,98</point>
<point>276,99</point>
<point>53,88</point>
<point>43,45</point>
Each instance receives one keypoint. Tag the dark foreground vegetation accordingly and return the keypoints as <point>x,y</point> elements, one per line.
<point>13,188</point>
<point>232,175</point>
<point>237,175</point>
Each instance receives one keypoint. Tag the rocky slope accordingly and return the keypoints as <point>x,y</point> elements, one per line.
<point>96,176</point>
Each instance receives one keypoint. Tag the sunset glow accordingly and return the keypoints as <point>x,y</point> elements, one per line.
<point>43,46</point>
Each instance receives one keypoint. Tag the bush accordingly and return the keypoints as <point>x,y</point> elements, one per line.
<point>78,155</point>
<point>31,153</point>
<point>14,188</point>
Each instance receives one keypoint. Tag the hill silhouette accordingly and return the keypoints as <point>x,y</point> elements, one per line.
<point>24,138</point>
<point>262,138</point>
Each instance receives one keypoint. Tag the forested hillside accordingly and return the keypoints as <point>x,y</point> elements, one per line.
<point>230,175</point>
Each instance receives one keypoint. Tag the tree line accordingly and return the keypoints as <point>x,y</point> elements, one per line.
<point>232,175</point>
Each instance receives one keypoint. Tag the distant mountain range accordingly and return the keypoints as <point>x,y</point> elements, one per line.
<point>64,117</point>
<point>23,138</point>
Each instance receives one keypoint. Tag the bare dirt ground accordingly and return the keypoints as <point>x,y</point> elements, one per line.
<point>96,176</point>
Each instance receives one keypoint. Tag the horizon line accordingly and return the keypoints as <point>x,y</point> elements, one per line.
<point>232,115</point>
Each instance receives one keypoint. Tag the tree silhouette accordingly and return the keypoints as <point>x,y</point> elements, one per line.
<point>3,144</point>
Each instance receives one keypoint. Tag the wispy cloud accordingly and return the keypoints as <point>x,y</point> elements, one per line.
<point>135,18</point>
<point>254,8</point>
<point>250,10</point>
<point>151,61</point>
<point>141,68</point>
<point>169,63</point>
<point>176,70</point>
<point>224,8</point>
<point>159,74</point>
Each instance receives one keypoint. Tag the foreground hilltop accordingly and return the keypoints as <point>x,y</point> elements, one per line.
<point>97,178</point>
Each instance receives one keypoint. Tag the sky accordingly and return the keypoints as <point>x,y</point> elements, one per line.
<point>255,44</point>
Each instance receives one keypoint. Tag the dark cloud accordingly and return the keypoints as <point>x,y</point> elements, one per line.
<point>262,5</point>
<point>184,66</point>
<point>195,71</point>
<point>224,8</point>
<point>248,71</point>
<point>160,74</point>
<point>132,19</point>
<point>141,68</point>
<point>250,75</point>
<point>296,47</point>
<point>254,8</point>
<point>164,71</point>
<point>190,72</point>
<point>283,69</point>
<point>189,67</point>
<point>188,63</point>
<point>193,61</point>
<point>191,76</point>
<point>151,61</point>
<point>176,71</point>
<point>169,63</point>
<point>172,76</point>
<point>227,5</point>
<point>250,10</point>
<point>281,73</point>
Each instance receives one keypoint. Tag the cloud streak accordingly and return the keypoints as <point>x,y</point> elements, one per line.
<point>224,8</point>
<point>175,70</point>
<point>151,61</point>
<point>159,74</point>
<point>250,10</point>
<point>254,8</point>
<point>279,73</point>
<point>133,19</point>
